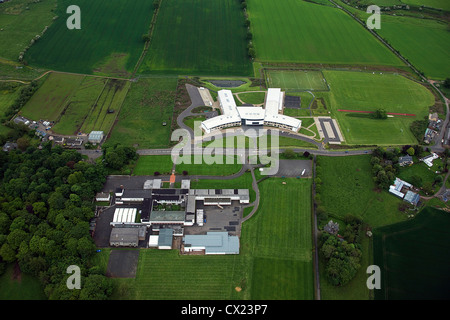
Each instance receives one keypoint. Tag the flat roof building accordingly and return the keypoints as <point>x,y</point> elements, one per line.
<point>211,243</point>
<point>95,136</point>
<point>232,115</point>
<point>124,237</point>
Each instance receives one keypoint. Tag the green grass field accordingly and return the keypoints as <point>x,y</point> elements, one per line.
<point>77,103</point>
<point>275,260</point>
<point>149,103</point>
<point>20,25</point>
<point>424,42</point>
<point>305,32</point>
<point>439,4</point>
<point>414,258</point>
<point>369,92</point>
<point>50,99</point>
<point>224,166</point>
<point>79,106</point>
<point>300,80</point>
<point>147,165</point>
<point>348,188</point>
<point>110,99</point>
<point>198,37</point>
<point>24,288</point>
<point>109,30</point>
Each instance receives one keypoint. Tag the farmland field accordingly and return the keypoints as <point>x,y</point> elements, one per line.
<point>20,25</point>
<point>369,92</point>
<point>77,103</point>
<point>424,42</point>
<point>414,257</point>
<point>198,37</point>
<point>50,99</point>
<point>110,30</point>
<point>309,33</point>
<point>300,80</point>
<point>439,4</point>
<point>103,113</point>
<point>149,103</point>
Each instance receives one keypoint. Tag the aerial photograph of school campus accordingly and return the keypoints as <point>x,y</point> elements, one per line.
<point>224,150</point>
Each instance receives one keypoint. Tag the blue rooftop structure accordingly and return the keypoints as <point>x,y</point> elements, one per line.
<point>212,243</point>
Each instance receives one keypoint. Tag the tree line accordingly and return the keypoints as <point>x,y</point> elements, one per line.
<point>46,205</point>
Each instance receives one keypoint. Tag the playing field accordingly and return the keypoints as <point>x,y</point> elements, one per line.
<point>414,258</point>
<point>109,30</point>
<point>424,42</point>
<point>305,32</point>
<point>198,37</point>
<point>21,21</point>
<point>300,80</point>
<point>148,105</point>
<point>369,92</point>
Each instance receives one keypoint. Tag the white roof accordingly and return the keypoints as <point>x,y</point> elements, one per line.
<point>274,101</point>
<point>227,103</point>
<point>251,113</point>
<point>123,215</point>
<point>232,113</point>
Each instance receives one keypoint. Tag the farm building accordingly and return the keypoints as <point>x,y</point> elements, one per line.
<point>412,197</point>
<point>211,243</point>
<point>8,146</point>
<point>95,136</point>
<point>233,116</point>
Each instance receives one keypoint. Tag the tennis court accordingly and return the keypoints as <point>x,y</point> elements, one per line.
<point>297,80</point>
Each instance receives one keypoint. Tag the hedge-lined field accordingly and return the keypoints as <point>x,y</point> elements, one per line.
<point>20,25</point>
<point>302,32</point>
<point>108,28</point>
<point>424,42</point>
<point>198,37</point>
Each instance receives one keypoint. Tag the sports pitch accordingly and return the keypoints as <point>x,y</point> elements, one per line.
<point>369,91</point>
<point>299,80</point>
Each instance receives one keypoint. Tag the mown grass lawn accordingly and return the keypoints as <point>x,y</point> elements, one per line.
<point>369,91</point>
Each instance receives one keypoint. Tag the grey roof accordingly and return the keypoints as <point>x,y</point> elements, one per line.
<point>412,197</point>
<point>165,237</point>
<point>126,235</point>
<point>214,242</point>
<point>167,216</point>
<point>405,159</point>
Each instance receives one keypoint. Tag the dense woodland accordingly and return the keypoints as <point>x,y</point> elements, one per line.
<point>46,203</point>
